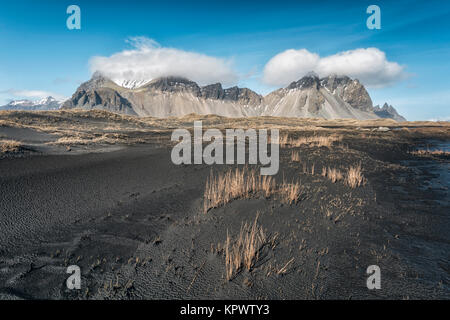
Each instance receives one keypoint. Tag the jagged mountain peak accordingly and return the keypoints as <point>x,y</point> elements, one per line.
<point>173,84</point>
<point>333,81</point>
<point>47,100</point>
<point>308,81</point>
<point>312,79</point>
<point>242,95</point>
<point>388,107</point>
<point>388,112</point>
<point>213,91</point>
<point>98,80</point>
<point>343,88</point>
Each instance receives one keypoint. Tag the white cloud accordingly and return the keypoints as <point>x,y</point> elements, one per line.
<point>369,65</point>
<point>148,60</point>
<point>32,94</point>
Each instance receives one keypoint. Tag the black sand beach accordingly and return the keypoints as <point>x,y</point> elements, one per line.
<point>134,223</point>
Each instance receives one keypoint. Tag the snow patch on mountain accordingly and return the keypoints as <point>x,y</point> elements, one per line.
<point>131,84</point>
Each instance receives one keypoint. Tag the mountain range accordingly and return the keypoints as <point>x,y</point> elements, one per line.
<point>331,97</point>
<point>48,103</point>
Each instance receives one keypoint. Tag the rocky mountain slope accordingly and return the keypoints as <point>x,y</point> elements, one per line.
<point>48,103</point>
<point>332,97</point>
<point>164,97</point>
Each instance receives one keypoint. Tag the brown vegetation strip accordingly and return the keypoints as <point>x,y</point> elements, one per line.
<point>430,152</point>
<point>9,146</point>
<point>316,141</point>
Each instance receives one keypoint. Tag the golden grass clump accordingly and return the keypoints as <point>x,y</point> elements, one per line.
<point>354,176</point>
<point>235,184</point>
<point>245,250</point>
<point>243,183</point>
<point>9,146</point>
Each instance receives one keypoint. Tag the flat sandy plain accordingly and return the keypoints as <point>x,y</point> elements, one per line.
<point>99,190</point>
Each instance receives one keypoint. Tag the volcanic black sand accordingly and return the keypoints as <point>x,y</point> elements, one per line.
<point>134,223</point>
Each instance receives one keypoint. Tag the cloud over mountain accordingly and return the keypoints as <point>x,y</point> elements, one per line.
<point>148,60</point>
<point>369,65</point>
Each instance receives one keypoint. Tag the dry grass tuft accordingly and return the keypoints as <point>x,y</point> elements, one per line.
<point>284,139</point>
<point>354,177</point>
<point>245,250</point>
<point>290,192</point>
<point>295,156</point>
<point>10,146</point>
<point>243,183</point>
<point>235,184</point>
<point>334,175</point>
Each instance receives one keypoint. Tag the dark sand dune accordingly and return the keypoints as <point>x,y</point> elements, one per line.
<point>134,223</point>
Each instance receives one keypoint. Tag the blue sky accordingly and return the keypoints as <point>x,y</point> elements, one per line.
<point>40,55</point>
